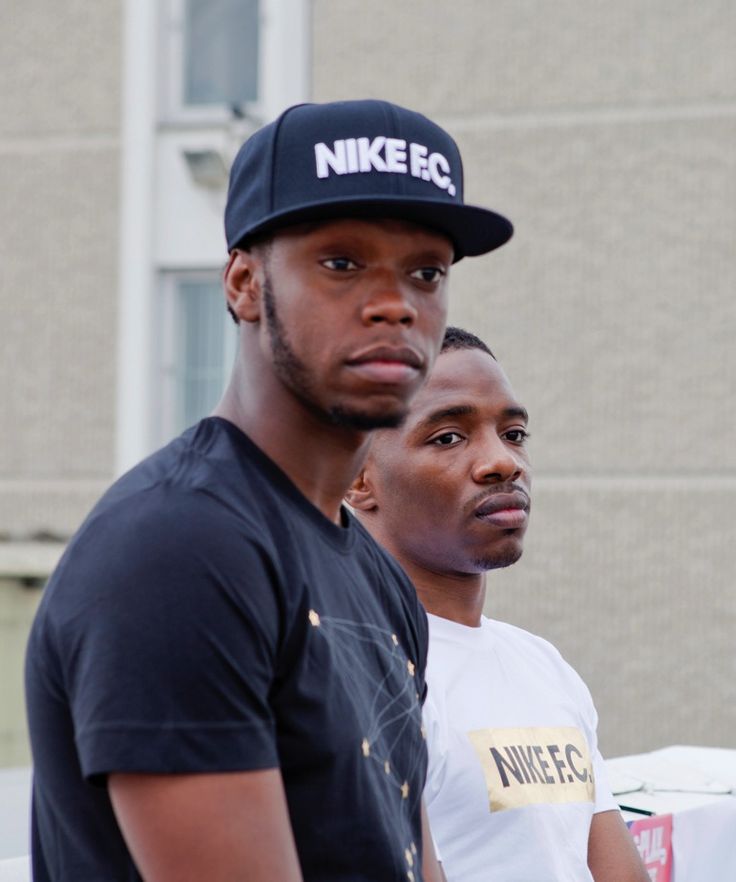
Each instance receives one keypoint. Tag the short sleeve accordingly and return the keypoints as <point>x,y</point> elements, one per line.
<point>170,640</point>
<point>604,800</point>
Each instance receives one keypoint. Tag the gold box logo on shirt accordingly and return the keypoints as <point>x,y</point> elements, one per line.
<point>534,765</point>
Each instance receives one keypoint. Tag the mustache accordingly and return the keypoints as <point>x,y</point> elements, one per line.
<point>507,495</point>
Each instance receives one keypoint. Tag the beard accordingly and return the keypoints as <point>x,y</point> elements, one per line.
<point>295,374</point>
<point>503,558</point>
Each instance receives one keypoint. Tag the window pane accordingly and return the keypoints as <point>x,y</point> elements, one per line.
<point>221,52</point>
<point>200,362</point>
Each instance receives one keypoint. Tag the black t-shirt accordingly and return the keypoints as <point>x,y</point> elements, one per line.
<point>207,618</point>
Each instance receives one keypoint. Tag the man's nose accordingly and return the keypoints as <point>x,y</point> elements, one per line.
<point>388,302</point>
<point>498,462</point>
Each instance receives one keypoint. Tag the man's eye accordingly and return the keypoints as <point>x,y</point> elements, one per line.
<point>428,274</point>
<point>447,439</point>
<point>516,436</point>
<point>340,264</point>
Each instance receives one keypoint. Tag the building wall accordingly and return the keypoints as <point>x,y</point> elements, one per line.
<point>59,145</point>
<point>59,176</point>
<point>605,132</point>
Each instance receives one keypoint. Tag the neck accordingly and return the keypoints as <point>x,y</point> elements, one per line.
<point>321,460</point>
<point>455,596</point>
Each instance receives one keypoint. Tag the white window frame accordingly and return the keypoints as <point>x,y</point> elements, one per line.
<point>169,320</point>
<point>148,133</point>
<point>172,108</point>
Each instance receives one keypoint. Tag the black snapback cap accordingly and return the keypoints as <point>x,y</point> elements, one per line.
<point>355,159</point>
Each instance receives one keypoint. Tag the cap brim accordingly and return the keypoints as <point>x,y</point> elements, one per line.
<point>472,230</point>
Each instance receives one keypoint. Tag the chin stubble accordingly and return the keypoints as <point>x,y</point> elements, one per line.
<point>499,561</point>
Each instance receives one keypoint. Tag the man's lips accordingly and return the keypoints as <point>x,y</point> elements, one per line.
<point>507,510</point>
<point>387,364</point>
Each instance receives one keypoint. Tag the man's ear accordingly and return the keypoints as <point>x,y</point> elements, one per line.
<point>243,278</point>
<point>360,494</point>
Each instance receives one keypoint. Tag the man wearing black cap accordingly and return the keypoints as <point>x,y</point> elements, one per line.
<point>225,674</point>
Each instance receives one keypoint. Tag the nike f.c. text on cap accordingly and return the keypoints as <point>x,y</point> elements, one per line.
<point>355,159</point>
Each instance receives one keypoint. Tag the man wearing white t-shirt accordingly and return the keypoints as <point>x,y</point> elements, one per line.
<point>516,789</point>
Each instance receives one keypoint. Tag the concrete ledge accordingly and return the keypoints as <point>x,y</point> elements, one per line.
<point>24,560</point>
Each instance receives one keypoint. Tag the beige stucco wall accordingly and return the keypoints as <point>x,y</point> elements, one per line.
<point>606,132</point>
<point>59,179</point>
<point>59,176</point>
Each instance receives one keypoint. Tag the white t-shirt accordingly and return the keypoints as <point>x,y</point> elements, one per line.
<point>515,774</point>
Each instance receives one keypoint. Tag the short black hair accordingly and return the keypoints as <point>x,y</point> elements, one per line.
<point>457,338</point>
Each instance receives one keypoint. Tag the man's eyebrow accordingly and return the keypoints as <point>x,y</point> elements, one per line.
<point>438,416</point>
<point>518,411</point>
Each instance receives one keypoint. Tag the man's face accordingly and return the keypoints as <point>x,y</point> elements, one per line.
<point>451,486</point>
<point>353,316</point>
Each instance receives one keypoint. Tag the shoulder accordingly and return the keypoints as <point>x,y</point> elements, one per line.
<point>166,524</point>
<point>198,489</point>
<point>513,636</point>
<point>533,651</point>
<point>170,532</point>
